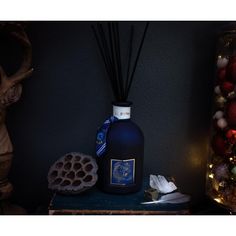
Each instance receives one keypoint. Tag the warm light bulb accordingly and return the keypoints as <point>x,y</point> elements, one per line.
<point>210,166</point>
<point>211,176</point>
<point>217,200</point>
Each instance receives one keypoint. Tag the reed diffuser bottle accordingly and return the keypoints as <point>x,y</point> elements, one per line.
<point>120,142</point>
<point>121,167</point>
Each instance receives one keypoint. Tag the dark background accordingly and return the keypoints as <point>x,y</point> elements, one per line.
<point>69,96</point>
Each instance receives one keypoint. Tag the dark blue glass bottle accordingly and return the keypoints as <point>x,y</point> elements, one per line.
<point>121,166</point>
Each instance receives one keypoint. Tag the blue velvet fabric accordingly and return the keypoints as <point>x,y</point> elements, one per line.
<point>94,199</point>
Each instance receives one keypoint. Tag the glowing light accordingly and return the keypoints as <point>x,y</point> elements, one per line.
<point>211,176</point>
<point>196,153</point>
<point>231,158</point>
<point>218,200</point>
<point>210,166</point>
<point>222,184</point>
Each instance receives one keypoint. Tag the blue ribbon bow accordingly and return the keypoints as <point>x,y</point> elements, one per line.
<point>102,134</point>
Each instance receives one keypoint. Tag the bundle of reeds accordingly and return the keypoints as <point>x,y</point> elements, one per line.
<point>108,40</point>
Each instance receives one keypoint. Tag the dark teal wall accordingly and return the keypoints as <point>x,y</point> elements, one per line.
<point>68,97</point>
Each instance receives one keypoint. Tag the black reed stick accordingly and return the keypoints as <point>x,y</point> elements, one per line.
<point>119,60</point>
<point>105,44</point>
<point>136,61</point>
<point>100,48</point>
<point>112,53</point>
<point>110,50</point>
<point>130,49</point>
<point>108,56</point>
<point>105,62</point>
<point>115,59</point>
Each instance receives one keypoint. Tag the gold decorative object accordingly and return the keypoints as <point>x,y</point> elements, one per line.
<point>151,194</point>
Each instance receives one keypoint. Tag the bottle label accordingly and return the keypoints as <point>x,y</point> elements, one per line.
<point>121,113</point>
<point>122,171</point>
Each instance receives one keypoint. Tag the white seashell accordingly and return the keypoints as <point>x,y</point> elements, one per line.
<point>160,183</point>
<point>222,123</point>
<point>222,62</point>
<point>218,115</point>
<point>217,90</point>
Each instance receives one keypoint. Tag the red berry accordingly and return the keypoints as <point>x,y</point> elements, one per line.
<point>231,70</point>
<point>231,113</point>
<point>221,73</point>
<point>219,145</point>
<point>231,136</point>
<point>226,87</point>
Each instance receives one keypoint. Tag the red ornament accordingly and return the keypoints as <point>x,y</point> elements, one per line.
<point>231,113</point>
<point>231,136</point>
<point>226,87</point>
<point>231,70</point>
<point>219,145</point>
<point>221,74</point>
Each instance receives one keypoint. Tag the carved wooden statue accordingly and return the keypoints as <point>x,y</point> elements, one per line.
<point>10,92</point>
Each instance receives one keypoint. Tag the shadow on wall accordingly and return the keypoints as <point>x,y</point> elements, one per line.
<point>68,97</point>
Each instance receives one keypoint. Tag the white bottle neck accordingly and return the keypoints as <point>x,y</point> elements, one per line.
<point>121,113</point>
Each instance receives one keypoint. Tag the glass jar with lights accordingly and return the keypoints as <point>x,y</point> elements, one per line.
<point>221,171</point>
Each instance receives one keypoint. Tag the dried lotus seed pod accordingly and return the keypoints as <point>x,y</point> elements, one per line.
<point>73,173</point>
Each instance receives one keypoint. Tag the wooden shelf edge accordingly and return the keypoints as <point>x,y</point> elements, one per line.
<point>115,212</point>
